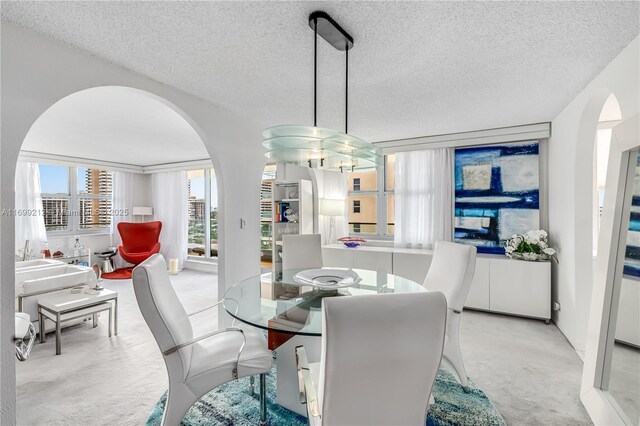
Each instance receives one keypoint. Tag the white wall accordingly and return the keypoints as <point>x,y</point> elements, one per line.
<point>37,72</point>
<point>571,149</point>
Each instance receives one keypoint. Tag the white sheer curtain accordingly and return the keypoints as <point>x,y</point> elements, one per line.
<point>121,201</point>
<point>331,185</point>
<point>170,206</point>
<point>30,220</point>
<point>423,197</point>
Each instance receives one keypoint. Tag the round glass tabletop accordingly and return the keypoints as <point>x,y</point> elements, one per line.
<point>289,307</point>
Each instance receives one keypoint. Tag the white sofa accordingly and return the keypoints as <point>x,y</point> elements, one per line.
<point>40,278</point>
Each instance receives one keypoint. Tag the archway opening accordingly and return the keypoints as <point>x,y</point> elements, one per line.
<point>95,159</point>
<point>610,116</point>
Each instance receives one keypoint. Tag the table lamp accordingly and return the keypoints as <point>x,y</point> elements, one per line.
<point>331,208</point>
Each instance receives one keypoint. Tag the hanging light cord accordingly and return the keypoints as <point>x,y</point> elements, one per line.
<point>315,73</point>
<point>346,93</point>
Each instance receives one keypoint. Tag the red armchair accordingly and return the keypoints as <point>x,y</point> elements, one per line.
<point>139,240</point>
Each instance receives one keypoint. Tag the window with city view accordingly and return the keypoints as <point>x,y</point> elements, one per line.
<point>203,213</point>
<point>371,200</point>
<point>75,198</point>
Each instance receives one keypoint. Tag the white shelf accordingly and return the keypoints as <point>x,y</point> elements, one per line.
<point>288,200</point>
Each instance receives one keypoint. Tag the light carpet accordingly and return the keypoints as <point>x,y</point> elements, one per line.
<point>231,404</point>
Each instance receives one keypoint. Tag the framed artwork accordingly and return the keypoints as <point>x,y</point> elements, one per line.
<point>497,190</point>
<point>632,253</point>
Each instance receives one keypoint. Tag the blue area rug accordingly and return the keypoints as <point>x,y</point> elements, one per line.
<point>231,404</point>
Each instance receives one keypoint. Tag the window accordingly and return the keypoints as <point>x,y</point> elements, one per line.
<point>75,199</point>
<point>356,184</point>
<point>94,198</point>
<point>371,195</point>
<point>202,236</point>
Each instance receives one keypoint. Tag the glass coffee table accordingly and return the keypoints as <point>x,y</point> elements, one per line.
<point>71,304</point>
<point>291,313</point>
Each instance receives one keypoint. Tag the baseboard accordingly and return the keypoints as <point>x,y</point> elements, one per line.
<point>201,266</point>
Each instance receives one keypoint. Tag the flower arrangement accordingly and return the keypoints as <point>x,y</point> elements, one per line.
<point>534,245</point>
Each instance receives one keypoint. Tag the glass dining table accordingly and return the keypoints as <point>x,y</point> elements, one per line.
<point>291,313</point>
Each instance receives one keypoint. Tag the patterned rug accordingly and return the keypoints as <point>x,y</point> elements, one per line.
<point>231,404</point>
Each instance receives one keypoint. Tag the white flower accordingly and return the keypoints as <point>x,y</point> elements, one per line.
<point>509,249</point>
<point>549,251</point>
<point>531,238</point>
<point>530,256</point>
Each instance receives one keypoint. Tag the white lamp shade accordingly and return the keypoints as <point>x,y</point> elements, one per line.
<point>330,207</point>
<point>142,211</point>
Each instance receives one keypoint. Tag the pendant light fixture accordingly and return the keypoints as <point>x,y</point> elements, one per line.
<point>315,146</point>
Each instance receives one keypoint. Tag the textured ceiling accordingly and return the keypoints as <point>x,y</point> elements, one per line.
<point>417,68</point>
<point>112,124</point>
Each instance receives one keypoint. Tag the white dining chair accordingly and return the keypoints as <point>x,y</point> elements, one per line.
<point>301,251</point>
<point>451,273</point>
<point>195,365</point>
<point>379,360</point>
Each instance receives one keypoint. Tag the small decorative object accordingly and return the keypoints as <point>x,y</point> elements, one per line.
<point>26,252</point>
<point>98,272</point>
<point>292,193</point>
<point>532,246</point>
<point>173,266</point>
<point>290,215</point>
<point>352,242</point>
<point>46,253</point>
<point>58,254</point>
<point>76,246</point>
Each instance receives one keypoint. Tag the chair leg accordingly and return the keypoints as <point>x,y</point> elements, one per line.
<point>179,400</point>
<point>252,382</point>
<point>263,399</point>
<point>453,354</point>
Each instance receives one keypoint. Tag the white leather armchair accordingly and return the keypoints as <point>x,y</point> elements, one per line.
<point>195,365</point>
<point>451,273</point>
<point>380,356</point>
<point>301,251</point>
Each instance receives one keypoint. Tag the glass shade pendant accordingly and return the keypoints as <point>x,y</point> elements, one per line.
<point>320,147</point>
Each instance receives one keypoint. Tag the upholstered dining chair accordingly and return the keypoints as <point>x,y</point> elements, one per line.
<point>195,365</point>
<point>301,251</point>
<point>380,356</point>
<point>451,273</point>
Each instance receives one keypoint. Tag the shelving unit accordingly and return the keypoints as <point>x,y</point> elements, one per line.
<point>266,221</point>
<point>295,195</point>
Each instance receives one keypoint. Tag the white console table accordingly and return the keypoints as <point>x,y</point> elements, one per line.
<point>499,285</point>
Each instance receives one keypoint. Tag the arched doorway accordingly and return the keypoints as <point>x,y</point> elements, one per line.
<point>600,114</point>
<point>71,164</point>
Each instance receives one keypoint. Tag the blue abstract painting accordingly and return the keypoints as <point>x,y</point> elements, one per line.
<point>497,194</point>
<point>632,255</point>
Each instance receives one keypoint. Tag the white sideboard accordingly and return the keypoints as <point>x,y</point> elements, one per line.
<point>499,284</point>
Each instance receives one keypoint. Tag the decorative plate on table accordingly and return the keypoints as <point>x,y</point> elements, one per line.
<point>327,278</point>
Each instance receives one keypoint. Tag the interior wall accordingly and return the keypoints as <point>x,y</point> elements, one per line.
<point>36,72</point>
<point>571,148</point>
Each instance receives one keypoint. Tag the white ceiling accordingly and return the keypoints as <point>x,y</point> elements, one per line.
<point>417,68</point>
<point>116,124</point>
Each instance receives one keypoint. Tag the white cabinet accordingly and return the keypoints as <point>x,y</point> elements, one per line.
<point>380,261</point>
<point>337,257</point>
<point>375,260</point>
<point>413,266</point>
<point>478,297</point>
<point>520,287</point>
<point>628,323</point>
<point>499,284</point>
